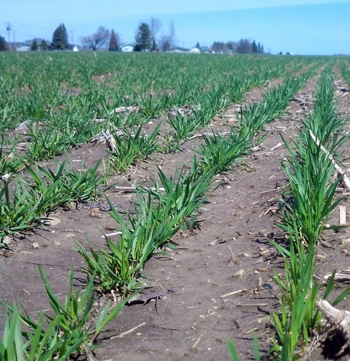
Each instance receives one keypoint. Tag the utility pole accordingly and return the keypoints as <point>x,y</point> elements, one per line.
<point>8,28</point>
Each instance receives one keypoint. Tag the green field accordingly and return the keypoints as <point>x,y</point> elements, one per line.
<point>205,113</point>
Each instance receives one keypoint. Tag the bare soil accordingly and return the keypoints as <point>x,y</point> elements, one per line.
<point>217,284</point>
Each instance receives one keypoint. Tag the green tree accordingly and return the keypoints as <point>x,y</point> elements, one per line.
<point>3,44</point>
<point>154,46</point>
<point>165,43</point>
<point>254,47</point>
<point>34,46</point>
<point>60,38</point>
<point>113,42</point>
<point>144,37</point>
<point>244,46</point>
<point>43,45</point>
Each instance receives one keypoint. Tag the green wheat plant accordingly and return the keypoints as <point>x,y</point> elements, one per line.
<point>305,211</point>
<point>25,201</point>
<point>310,201</point>
<point>55,188</point>
<point>112,268</point>
<point>151,106</point>
<point>219,152</point>
<point>131,148</point>
<point>18,208</point>
<point>45,143</point>
<point>9,161</point>
<point>142,234</point>
<point>82,185</point>
<point>183,126</point>
<point>345,73</point>
<point>187,191</point>
<point>233,352</point>
<point>157,216</point>
<point>310,169</point>
<point>299,318</point>
<point>71,327</point>
<point>324,122</point>
<point>149,228</point>
<point>39,345</point>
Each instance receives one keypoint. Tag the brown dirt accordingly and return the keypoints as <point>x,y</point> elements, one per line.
<point>216,285</point>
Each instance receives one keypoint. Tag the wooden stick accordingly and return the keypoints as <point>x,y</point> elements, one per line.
<point>111,234</point>
<point>252,305</point>
<point>342,212</point>
<point>196,342</point>
<point>233,293</point>
<point>277,146</point>
<point>130,109</point>
<point>110,140</point>
<point>329,155</point>
<point>209,134</point>
<point>121,335</point>
<point>338,318</point>
<point>133,189</point>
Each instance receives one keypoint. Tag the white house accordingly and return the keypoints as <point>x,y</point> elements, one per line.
<point>195,51</point>
<point>23,48</point>
<point>127,49</point>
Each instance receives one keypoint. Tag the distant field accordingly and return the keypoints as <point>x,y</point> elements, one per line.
<point>50,86</point>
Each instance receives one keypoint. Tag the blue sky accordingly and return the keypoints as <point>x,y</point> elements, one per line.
<point>298,26</point>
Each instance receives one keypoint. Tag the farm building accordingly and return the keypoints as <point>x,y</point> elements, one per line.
<point>195,50</point>
<point>127,48</point>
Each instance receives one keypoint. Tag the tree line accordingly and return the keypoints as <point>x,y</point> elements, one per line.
<point>148,37</point>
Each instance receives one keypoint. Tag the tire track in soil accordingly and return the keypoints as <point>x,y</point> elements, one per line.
<point>194,321</point>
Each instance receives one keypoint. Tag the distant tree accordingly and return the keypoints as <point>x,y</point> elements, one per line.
<point>155,26</point>
<point>164,43</point>
<point>198,45</point>
<point>3,44</point>
<point>43,45</point>
<point>244,46</point>
<point>168,41</point>
<point>260,48</point>
<point>144,37</point>
<point>154,46</point>
<point>220,47</point>
<point>60,38</point>
<point>172,35</point>
<point>113,42</point>
<point>232,46</point>
<point>97,40</point>
<point>254,47</point>
<point>34,46</point>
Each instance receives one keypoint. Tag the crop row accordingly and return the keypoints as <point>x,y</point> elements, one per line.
<point>305,210</point>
